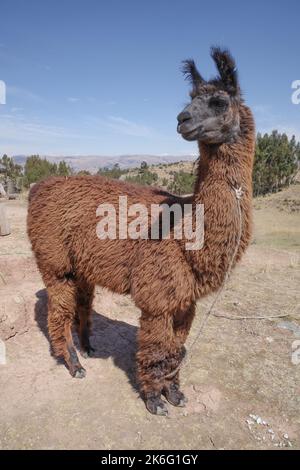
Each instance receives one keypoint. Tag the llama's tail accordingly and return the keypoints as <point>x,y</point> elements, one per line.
<point>33,191</point>
<point>36,187</point>
<point>45,186</point>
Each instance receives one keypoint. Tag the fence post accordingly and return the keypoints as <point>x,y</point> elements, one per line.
<point>4,224</point>
<point>2,191</point>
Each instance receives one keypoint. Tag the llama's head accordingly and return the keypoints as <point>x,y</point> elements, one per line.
<point>212,116</point>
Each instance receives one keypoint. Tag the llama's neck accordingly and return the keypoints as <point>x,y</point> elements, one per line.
<point>228,162</point>
<point>220,168</point>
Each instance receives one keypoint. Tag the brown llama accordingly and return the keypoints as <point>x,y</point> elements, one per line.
<point>164,279</point>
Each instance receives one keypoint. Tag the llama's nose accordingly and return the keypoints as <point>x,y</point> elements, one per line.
<point>184,116</point>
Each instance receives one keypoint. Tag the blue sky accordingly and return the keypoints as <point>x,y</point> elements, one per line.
<point>103,77</point>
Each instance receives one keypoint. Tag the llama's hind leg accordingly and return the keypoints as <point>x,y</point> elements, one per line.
<point>156,358</point>
<point>84,300</point>
<point>182,326</point>
<point>61,314</point>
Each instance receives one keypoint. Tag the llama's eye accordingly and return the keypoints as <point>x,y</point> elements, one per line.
<point>218,103</point>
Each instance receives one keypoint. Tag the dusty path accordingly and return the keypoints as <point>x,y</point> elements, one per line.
<point>239,367</point>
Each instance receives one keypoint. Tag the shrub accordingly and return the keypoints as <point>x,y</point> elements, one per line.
<point>276,162</point>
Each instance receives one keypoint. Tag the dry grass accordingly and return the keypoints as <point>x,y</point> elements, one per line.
<point>277,220</point>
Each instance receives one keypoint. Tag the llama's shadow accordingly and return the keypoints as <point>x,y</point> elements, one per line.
<point>109,338</point>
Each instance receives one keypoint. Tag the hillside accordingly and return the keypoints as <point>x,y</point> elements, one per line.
<point>165,172</point>
<point>93,162</point>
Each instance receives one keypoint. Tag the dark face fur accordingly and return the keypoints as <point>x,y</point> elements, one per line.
<point>213,115</point>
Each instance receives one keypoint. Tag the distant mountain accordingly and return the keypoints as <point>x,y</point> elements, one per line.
<point>93,162</point>
<point>20,159</point>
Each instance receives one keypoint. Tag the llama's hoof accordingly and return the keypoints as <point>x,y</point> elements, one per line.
<point>156,406</point>
<point>182,402</point>
<point>88,352</point>
<point>174,396</point>
<point>80,373</point>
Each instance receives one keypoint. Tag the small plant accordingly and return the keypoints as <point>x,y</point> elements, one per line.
<point>146,178</point>
<point>183,183</point>
<point>115,172</point>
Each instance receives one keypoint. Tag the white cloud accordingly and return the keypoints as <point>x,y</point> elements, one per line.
<point>72,99</point>
<point>15,109</point>
<point>267,121</point>
<point>123,126</point>
<point>23,94</point>
<point>17,127</point>
<point>119,125</point>
<point>21,135</point>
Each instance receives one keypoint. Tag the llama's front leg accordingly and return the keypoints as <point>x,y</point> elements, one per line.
<point>157,357</point>
<point>84,300</point>
<point>182,326</point>
<point>61,313</point>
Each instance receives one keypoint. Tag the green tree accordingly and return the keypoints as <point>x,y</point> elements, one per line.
<point>37,168</point>
<point>146,178</point>
<point>183,183</point>
<point>115,172</point>
<point>64,169</point>
<point>10,170</point>
<point>144,166</point>
<point>276,162</point>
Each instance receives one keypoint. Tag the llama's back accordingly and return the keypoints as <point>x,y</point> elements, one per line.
<point>62,227</point>
<point>58,204</point>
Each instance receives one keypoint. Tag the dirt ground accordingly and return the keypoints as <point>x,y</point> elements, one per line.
<point>238,368</point>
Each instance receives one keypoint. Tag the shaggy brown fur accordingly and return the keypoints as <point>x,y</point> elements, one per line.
<point>164,279</point>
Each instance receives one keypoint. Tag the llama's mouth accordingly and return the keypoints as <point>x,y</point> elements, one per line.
<point>189,135</point>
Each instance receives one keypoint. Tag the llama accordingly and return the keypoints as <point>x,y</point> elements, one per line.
<point>163,278</point>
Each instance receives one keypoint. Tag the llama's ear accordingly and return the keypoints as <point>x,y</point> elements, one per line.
<point>191,73</point>
<point>227,69</point>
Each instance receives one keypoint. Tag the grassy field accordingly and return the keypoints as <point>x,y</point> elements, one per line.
<point>277,219</point>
